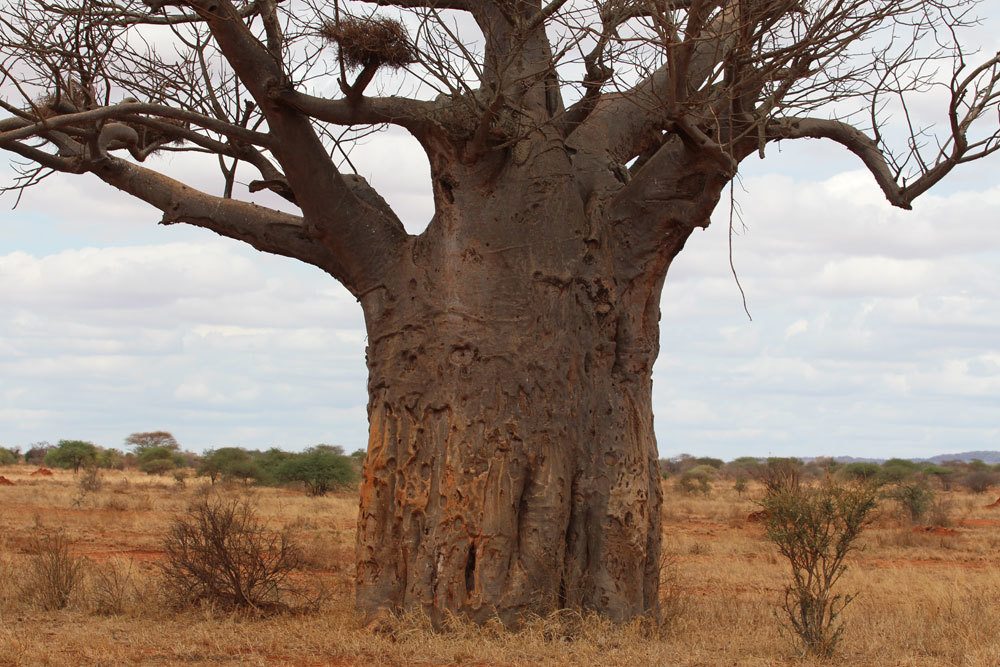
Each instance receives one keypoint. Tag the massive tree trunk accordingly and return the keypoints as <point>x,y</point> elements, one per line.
<point>512,464</point>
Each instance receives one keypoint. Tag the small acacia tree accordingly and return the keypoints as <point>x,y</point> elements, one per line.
<point>915,498</point>
<point>156,452</point>
<point>574,146</point>
<point>72,454</point>
<point>9,456</point>
<point>815,528</point>
<point>149,439</point>
<point>321,469</point>
<point>228,463</point>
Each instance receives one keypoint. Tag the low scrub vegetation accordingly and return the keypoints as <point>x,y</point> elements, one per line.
<point>318,470</point>
<point>54,574</point>
<point>220,553</point>
<point>697,479</point>
<point>85,576</point>
<point>914,497</point>
<point>687,473</point>
<point>814,529</point>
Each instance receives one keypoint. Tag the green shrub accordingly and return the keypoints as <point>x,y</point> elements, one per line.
<point>158,460</point>
<point>861,472</point>
<point>157,466</point>
<point>269,464</point>
<point>898,470</point>
<point>815,529</point>
<point>9,457</point>
<point>780,474</point>
<point>320,469</point>
<point>111,459</point>
<point>71,454</point>
<point>696,480</point>
<point>915,498</point>
<point>748,464</point>
<point>228,463</point>
<point>155,452</point>
<point>944,475</point>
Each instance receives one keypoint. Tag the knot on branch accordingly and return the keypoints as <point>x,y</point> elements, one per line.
<point>370,42</point>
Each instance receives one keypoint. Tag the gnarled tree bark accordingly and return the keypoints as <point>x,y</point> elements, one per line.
<point>512,464</point>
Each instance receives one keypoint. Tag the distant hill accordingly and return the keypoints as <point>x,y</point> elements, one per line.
<point>990,457</point>
<point>985,457</point>
<point>856,459</point>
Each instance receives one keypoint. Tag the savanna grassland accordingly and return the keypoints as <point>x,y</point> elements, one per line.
<point>926,596</point>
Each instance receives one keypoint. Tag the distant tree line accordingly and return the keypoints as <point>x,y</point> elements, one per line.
<point>318,470</point>
<point>697,474</point>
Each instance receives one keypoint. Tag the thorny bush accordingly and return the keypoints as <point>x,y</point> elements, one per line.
<point>815,528</point>
<point>220,553</point>
<point>915,498</point>
<point>54,574</point>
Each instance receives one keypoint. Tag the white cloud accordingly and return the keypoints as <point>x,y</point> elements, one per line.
<point>797,327</point>
<point>875,332</point>
<point>200,338</point>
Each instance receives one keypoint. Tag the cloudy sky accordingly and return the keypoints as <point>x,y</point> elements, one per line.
<point>875,332</point>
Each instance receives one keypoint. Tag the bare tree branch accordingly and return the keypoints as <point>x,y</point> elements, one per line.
<point>265,229</point>
<point>332,212</point>
<point>654,83</point>
<point>402,111</point>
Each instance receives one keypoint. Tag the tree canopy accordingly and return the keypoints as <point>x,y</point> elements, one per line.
<point>72,454</point>
<point>229,463</point>
<point>279,90</point>
<point>320,469</point>
<point>148,439</point>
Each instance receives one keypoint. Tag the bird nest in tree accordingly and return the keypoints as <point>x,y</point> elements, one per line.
<point>365,42</point>
<point>64,99</point>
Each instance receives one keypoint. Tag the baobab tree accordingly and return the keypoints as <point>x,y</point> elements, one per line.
<point>573,148</point>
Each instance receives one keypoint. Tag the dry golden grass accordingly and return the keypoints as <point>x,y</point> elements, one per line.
<point>926,597</point>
